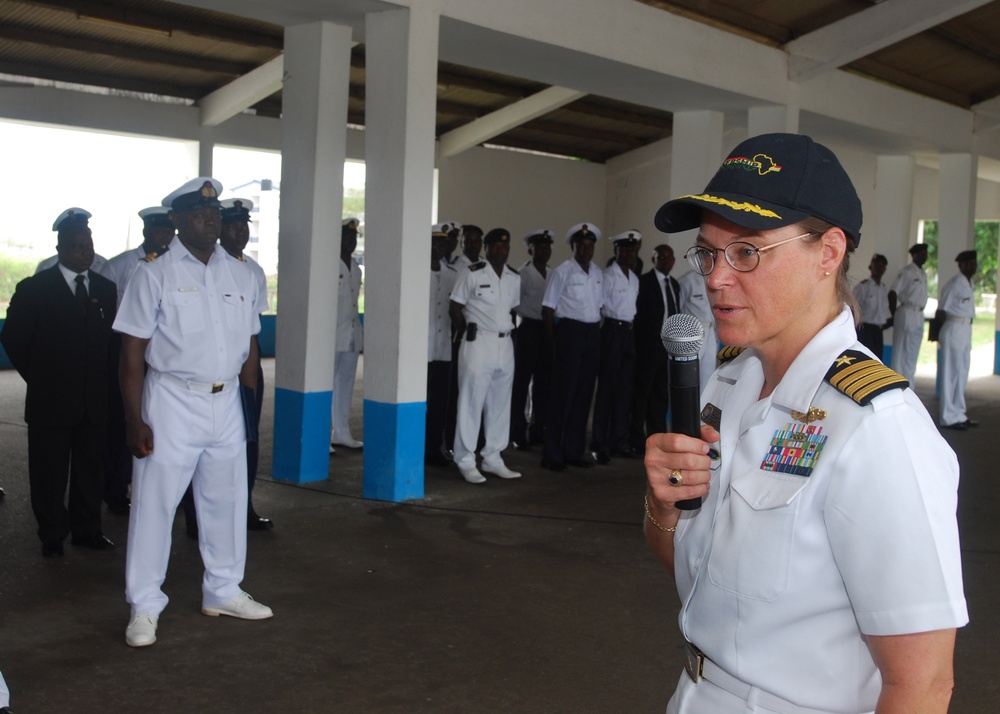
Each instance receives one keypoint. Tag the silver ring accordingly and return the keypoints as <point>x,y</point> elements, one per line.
<point>675,478</point>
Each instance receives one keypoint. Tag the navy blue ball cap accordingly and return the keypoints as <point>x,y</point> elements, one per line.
<point>771,181</point>
<point>497,235</point>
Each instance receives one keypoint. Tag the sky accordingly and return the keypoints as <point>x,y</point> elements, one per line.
<point>48,169</point>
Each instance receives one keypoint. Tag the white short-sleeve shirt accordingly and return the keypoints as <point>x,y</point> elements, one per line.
<point>873,299</point>
<point>198,318</point>
<point>532,291</point>
<point>350,337</point>
<point>782,574</point>
<point>439,336</point>
<point>910,287</point>
<point>119,269</point>
<point>621,290</point>
<point>957,298</point>
<point>575,293</point>
<point>488,298</point>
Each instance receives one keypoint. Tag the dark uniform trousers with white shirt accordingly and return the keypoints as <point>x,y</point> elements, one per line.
<point>60,342</point>
<point>577,354</point>
<point>616,380</point>
<point>532,367</point>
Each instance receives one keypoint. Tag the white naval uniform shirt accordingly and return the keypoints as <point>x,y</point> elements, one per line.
<point>910,287</point>
<point>620,293</point>
<point>957,298</point>
<point>349,333</point>
<point>198,318</point>
<point>488,298</point>
<point>263,301</point>
<point>694,301</point>
<point>575,293</point>
<point>119,269</point>
<point>873,299</point>
<point>780,574</point>
<point>439,335</point>
<point>532,291</point>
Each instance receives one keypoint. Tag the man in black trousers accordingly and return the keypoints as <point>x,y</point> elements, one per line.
<point>659,298</point>
<point>58,337</point>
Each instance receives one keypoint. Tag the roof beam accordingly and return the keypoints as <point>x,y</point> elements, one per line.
<point>502,120</point>
<point>868,31</point>
<point>242,92</point>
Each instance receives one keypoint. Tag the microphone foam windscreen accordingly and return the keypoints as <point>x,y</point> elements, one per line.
<point>682,335</point>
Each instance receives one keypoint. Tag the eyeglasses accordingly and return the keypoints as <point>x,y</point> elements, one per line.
<point>742,256</point>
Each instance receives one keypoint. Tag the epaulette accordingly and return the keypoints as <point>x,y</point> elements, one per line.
<point>150,257</point>
<point>512,270</point>
<point>240,258</point>
<point>862,378</point>
<point>729,353</point>
<point>477,266</point>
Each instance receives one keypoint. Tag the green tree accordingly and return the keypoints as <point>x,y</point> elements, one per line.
<point>987,235</point>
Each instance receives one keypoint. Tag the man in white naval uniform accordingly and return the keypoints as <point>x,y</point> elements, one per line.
<point>190,317</point>
<point>472,246</point>
<point>616,371</point>
<point>157,232</point>
<point>482,305</point>
<point>956,310</point>
<point>532,346</point>
<point>907,299</point>
<point>873,300</point>
<point>350,337</point>
<point>443,278</point>
<point>694,301</point>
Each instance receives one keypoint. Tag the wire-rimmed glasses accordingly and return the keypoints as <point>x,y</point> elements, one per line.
<point>742,256</point>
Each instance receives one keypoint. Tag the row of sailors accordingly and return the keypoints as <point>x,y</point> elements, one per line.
<point>589,322</point>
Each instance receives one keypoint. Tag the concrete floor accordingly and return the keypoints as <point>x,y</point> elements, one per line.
<point>535,595</point>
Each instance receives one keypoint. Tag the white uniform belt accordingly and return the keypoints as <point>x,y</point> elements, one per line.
<point>494,332</point>
<point>960,320</point>
<point>210,388</point>
<point>698,667</point>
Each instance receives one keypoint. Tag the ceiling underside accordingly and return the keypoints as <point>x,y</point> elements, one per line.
<point>163,49</point>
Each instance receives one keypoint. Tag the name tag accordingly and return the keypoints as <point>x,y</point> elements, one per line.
<point>192,289</point>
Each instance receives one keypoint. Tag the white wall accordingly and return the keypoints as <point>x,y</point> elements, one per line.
<point>522,192</point>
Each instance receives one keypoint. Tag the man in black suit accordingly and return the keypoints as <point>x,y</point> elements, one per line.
<point>659,297</point>
<point>58,336</point>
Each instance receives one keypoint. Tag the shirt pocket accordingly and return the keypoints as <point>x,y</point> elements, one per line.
<point>186,311</point>
<point>237,309</point>
<point>752,552</point>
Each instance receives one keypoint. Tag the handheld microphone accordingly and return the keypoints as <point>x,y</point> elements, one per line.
<point>683,335</point>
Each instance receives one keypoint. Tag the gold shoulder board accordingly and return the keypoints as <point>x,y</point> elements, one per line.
<point>729,353</point>
<point>477,266</point>
<point>862,378</point>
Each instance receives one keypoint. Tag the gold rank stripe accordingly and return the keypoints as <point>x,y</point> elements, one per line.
<point>862,378</point>
<point>727,353</point>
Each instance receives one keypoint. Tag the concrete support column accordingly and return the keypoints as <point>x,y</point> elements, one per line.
<point>401,86</point>
<point>772,119</point>
<point>888,230</point>
<point>314,145</point>
<point>206,153</point>
<point>696,155</point>
<point>958,209</point>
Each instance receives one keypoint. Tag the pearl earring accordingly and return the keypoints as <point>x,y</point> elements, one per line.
<point>827,273</point>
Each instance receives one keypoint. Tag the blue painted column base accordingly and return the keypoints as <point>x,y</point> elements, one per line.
<point>394,450</point>
<point>301,436</point>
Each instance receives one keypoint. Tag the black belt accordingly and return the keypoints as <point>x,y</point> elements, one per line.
<point>618,323</point>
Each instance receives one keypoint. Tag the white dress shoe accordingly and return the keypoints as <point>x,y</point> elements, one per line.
<point>500,470</point>
<point>472,475</point>
<point>242,606</point>
<point>348,443</point>
<point>141,630</point>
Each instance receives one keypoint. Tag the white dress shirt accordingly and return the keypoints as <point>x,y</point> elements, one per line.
<point>575,293</point>
<point>532,291</point>
<point>620,293</point>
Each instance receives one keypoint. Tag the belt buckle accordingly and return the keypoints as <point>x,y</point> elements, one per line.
<point>694,662</point>
<point>218,387</point>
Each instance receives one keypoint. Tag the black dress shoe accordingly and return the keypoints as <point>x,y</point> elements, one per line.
<point>628,453</point>
<point>971,423</point>
<point>521,445</point>
<point>602,458</point>
<point>553,465</point>
<point>52,549</point>
<point>2,494</point>
<point>258,523</point>
<point>957,426</point>
<point>97,541</point>
<point>5,710</point>
<point>581,463</point>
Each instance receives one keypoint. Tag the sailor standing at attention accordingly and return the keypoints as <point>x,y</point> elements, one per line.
<point>191,317</point>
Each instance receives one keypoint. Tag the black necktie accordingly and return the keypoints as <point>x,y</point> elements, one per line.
<point>671,302</point>
<point>81,290</point>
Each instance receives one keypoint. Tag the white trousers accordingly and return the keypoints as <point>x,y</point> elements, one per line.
<point>956,353</point>
<point>485,378</point>
<point>907,333</point>
<point>198,439</point>
<point>345,367</point>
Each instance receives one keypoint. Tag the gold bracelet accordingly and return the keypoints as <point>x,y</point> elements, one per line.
<point>645,503</point>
